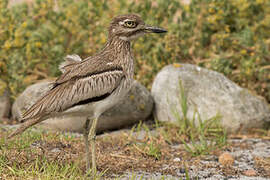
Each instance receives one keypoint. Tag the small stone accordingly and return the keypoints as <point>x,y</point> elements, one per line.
<point>55,150</point>
<point>182,170</point>
<point>176,160</point>
<point>226,159</point>
<point>250,172</point>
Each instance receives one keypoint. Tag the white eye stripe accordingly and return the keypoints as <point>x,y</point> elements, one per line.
<point>128,20</point>
<point>121,22</point>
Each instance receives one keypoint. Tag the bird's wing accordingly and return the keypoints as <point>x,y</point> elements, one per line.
<point>86,68</point>
<point>74,89</point>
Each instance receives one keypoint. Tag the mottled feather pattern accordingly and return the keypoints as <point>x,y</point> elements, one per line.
<point>69,93</point>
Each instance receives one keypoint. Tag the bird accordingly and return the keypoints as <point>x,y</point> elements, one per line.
<point>98,82</point>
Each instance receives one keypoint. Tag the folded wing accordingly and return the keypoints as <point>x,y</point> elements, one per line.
<point>75,91</point>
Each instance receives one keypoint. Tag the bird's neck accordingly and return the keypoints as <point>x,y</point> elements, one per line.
<point>120,53</point>
<point>117,44</point>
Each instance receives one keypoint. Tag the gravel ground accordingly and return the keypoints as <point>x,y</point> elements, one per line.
<point>245,159</point>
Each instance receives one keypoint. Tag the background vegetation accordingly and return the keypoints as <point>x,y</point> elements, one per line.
<point>229,36</point>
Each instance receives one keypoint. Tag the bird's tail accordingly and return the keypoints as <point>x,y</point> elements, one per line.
<point>24,126</point>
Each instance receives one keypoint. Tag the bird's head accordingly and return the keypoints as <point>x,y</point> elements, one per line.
<point>131,26</point>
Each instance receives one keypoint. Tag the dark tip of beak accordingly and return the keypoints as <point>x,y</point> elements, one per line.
<point>151,29</point>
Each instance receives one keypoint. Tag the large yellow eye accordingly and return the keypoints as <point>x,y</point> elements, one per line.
<point>130,24</point>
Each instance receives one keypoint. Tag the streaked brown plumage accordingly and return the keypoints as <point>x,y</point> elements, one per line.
<point>99,81</point>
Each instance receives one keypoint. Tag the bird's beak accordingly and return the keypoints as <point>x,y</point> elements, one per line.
<point>152,29</point>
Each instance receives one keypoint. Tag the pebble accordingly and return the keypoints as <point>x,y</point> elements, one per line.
<point>55,150</point>
<point>176,160</point>
<point>250,172</point>
<point>226,159</point>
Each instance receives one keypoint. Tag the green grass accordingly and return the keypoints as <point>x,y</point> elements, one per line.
<point>149,147</point>
<point>42,169</point>
<point>22,158</point>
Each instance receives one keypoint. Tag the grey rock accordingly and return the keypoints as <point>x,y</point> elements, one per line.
<point>5,105</point>
<point>28,97</point>
<point>208,93</point>
<point>137,105</point>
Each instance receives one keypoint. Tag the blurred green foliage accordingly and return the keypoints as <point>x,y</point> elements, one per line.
<point>229,36</point>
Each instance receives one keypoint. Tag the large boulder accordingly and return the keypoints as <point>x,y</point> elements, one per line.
<point>208,93</point>
<point>137,105</point>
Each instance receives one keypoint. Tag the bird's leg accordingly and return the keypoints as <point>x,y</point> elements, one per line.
<point>86,142</point>
<point>93,143</point>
